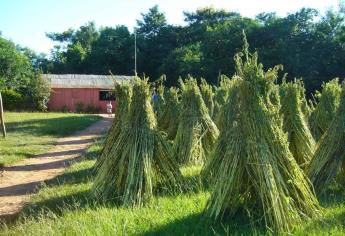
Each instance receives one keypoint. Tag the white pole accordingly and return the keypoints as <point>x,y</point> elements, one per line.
<point>135,51</point>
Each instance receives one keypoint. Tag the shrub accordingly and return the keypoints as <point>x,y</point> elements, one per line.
<point>92,109</point>
<point>79,107</point>
<point>12,99</point>
<point>41,92</point>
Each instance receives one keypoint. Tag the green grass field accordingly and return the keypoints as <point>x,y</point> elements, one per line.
<point>66,207</point>
<point>29,134</point>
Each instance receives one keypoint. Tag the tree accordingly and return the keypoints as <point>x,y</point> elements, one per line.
<point>112,51</point>
<point>15,68</point>
<point>152,23</point>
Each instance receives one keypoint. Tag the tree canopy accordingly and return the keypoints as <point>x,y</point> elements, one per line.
<point>307,43</point>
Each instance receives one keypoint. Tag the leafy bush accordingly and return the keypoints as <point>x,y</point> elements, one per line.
<point>41,92</point>
<point>79,107</point>
<point>12,99</point>
<point>92,109</point>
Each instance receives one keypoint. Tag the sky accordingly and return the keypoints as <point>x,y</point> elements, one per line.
<point>25,22</point>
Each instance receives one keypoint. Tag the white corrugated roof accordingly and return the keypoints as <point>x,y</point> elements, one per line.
<point>85,81</point>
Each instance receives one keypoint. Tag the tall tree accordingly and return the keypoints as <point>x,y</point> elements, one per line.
<point>152,22</point>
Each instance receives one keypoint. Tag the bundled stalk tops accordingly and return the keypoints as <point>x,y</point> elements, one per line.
<point>140,160</point>
<point>169,119</point>
<point>301,141</point>
<point>330,152</point>
<point>207,96</point>
<point>221,95</point>
<point>123,94</point>
<point>196,132</point>
<point>326,108</point>
<point>256,174</point>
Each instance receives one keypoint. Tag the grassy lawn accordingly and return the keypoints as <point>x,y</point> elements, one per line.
<point>65,207</point>
<point>34,133</point>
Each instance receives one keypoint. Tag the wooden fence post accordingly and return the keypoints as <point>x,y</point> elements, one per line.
<point>2,120</point>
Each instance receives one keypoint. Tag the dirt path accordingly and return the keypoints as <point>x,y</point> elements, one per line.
<point>19,182</point>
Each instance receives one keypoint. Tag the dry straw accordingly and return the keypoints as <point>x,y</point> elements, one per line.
<point>330,152</point>
<point>140,160</point>
<point>301,141</point>
<point>255,173</point>
<point>196,133</point>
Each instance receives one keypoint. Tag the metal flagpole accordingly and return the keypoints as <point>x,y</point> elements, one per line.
<point>135,51</point>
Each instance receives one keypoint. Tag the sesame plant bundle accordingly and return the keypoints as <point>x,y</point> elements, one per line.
<point>159,101</point>
<point>169,119</point>
<point>207,95</point>
<point>256,174</point>
<point>221,94</point>
<point>140,161</point>
<point>330,151</point>
<point>301,141</point>
<point>196,133</point>
<point>123,97</point>
<point>328,102</point>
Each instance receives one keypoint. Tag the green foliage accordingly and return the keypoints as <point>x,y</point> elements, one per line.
<point>15,68</point>
<point>79,107</point>
<point>307,43</point>
<point>183,61</point>
<point>41,92</point>
<point>152,22</point>
<point>12,100</point>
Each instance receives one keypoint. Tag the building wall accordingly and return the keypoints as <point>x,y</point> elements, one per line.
<point>62,99</point>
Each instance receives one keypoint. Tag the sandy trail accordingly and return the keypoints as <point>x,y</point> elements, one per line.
<point>19,182</point>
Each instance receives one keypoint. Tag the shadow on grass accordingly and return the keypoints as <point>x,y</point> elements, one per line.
<point>198,224</point>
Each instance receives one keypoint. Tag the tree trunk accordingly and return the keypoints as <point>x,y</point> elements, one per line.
<point>2,120</point>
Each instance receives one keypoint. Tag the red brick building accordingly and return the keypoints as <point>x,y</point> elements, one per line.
<point>88,93</point>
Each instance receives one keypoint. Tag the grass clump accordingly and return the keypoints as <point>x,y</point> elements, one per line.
<point>196,133</point>
<point>330,152</point>
<point>257,176</point>
<point>324,112</point>
<point>301,141</point>
<point>140,160</point>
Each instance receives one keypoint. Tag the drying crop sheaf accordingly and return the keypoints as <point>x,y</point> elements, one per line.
<point>207,96</point>
<point>326,108</point>
<point>330,151</point>
<point>196,133</point>
<point>221,95</point>
<point>159,102</point>
<point>256,173</point>
<point>140,160</point>
<point>301,141</point>
<point>169,119</point>
<point>123,94</point>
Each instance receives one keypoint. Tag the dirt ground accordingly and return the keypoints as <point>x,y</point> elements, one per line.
<point>20,181</point>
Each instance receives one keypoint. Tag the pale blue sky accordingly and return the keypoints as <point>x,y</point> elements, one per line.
<point>26,21</point>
